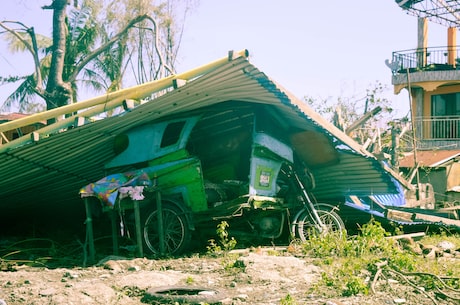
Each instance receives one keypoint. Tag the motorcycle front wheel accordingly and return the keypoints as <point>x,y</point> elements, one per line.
<point>332,223</point>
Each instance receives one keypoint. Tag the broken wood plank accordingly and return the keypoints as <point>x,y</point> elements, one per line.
<point>128,104</point>
<point>399,215</point>
<point>3,137</point>
<point>436,219</point>
<point>79,121</point>
<point>355,200</point>
<point>35,136</point>
<point>452,208</point>
<point>409,235</point>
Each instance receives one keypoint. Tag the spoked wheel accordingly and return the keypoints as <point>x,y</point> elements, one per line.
<point>332,222</point>
<point>176,231</point>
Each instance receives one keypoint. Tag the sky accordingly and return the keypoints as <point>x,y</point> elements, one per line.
<point>318,49</point>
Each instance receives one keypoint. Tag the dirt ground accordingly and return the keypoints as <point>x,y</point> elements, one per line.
<point>258,276</point>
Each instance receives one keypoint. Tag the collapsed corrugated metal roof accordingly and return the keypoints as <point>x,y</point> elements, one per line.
<point>46,175</point>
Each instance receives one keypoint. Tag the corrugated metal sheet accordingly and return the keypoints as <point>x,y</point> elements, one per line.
<point>353,175</point>
<point>44,176</point>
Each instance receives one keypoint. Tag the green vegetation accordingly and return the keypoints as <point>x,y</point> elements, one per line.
<point>354,265</point>
<point>288,300</point>
<point>225,242</point>
<point>189,280</point>
<point>357,265</point>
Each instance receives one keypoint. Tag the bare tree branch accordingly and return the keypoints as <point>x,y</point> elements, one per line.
<point>114,39</point>
<point>32,48</point>
<point>157,47</point>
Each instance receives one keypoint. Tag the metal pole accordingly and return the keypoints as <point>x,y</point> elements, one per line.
<point>161,233</point>
<point>137,219</point>
<point>89,231</point>
<point>113,218</point>
<point>414,140</point>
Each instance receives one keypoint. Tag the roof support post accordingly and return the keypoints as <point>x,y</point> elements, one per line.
<point>452,46</point>
<point>137,220</point>
<point>422,42</point>
<point>89,232</point>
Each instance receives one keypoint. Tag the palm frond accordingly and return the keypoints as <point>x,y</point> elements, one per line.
<point>78,19</point>
<point>15,45</point>
<point>94,77</point>
<point>22,96</point>
<point>43,42</point>
<point>83,33</point>
<point>45,64</point>
<point>11,79</point>
<point>95,85</point>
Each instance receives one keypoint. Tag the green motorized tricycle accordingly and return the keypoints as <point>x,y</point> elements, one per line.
<point>179,177</point>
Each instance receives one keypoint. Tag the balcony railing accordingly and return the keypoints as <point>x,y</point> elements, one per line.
<point>438,128</point>
<point>426,59</point>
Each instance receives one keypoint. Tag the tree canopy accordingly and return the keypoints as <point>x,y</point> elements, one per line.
<point>367,117</point>
<point>100,46</point>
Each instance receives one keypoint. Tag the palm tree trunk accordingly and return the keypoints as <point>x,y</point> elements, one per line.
<point>58,93</point>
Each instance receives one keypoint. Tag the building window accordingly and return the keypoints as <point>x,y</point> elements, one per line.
<point>445,111</point>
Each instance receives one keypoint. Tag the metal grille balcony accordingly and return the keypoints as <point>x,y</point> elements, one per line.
<point>438,128</point>
<point>426,59</point>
